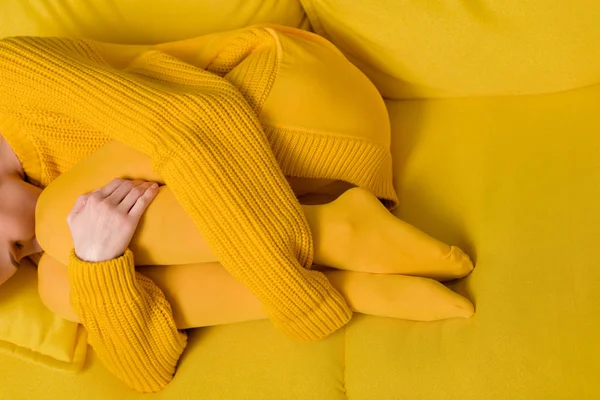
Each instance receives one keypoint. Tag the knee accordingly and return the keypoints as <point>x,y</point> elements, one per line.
<point>54,288</point>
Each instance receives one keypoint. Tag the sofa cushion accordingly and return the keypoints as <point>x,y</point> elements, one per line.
<point>515,181</point>
<point>416,49</point>
<point>142,22</point>
<point>29,331</point>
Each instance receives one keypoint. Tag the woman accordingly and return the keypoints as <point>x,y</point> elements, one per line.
<point>61,100</point>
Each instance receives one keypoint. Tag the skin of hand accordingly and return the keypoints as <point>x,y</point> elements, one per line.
<point>18,199</point>
<point>103,222</point>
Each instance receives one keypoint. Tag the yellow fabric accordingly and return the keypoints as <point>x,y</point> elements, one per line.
<point>34,121</point>
<point>147,22</point>
<point>166,234</point>
<point>425,49</point>
<point>198,288</point>
<point>128,320</point>
<point>45,339</point>
<point>240,361</point>
<point>515,180</point>
<point>357,121</point>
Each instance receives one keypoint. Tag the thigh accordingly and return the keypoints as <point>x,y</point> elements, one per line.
<point>199,294</point>
<point>54,288</point>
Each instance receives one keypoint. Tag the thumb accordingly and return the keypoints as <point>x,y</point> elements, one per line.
<point>79,204</point>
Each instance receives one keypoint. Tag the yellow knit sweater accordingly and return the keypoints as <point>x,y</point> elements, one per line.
<point>61,99</point>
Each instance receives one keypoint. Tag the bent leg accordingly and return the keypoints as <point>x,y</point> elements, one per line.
<point>206,294</point>
<point>352,231</point>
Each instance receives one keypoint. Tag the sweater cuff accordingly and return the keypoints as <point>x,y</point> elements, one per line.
<point>101,282</point>
<point>322,319</point>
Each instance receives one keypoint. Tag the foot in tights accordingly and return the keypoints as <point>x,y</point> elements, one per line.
<point>357,233</point>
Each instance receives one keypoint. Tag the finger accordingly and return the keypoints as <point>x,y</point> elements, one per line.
<point>143,202</point>
<point>117,196</point>
<point>133,196</point>
<point>107,190</point>
<point>399,296</point>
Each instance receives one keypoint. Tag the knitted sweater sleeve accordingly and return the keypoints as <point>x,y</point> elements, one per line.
<point>208,146</point>
<point>129,322</point>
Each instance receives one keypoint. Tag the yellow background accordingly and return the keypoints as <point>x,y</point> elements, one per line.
<point>429,48</point>
<point>516,182</point>
<point>142,22</point>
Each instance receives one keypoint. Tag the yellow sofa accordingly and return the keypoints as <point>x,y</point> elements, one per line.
<point>515,181</point>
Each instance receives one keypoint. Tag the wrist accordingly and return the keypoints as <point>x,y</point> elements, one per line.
<point>95,257</point>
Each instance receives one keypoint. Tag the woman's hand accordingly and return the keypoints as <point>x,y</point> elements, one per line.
<point>103,222</point>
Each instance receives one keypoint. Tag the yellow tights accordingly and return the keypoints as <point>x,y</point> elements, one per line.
<point>366,253</point>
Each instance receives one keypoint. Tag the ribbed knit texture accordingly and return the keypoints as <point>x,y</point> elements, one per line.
<point>125,313</point>
<point>206,142</point>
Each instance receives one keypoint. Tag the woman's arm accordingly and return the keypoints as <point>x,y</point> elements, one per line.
<point>207,144</point>
<point>129,321</point>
